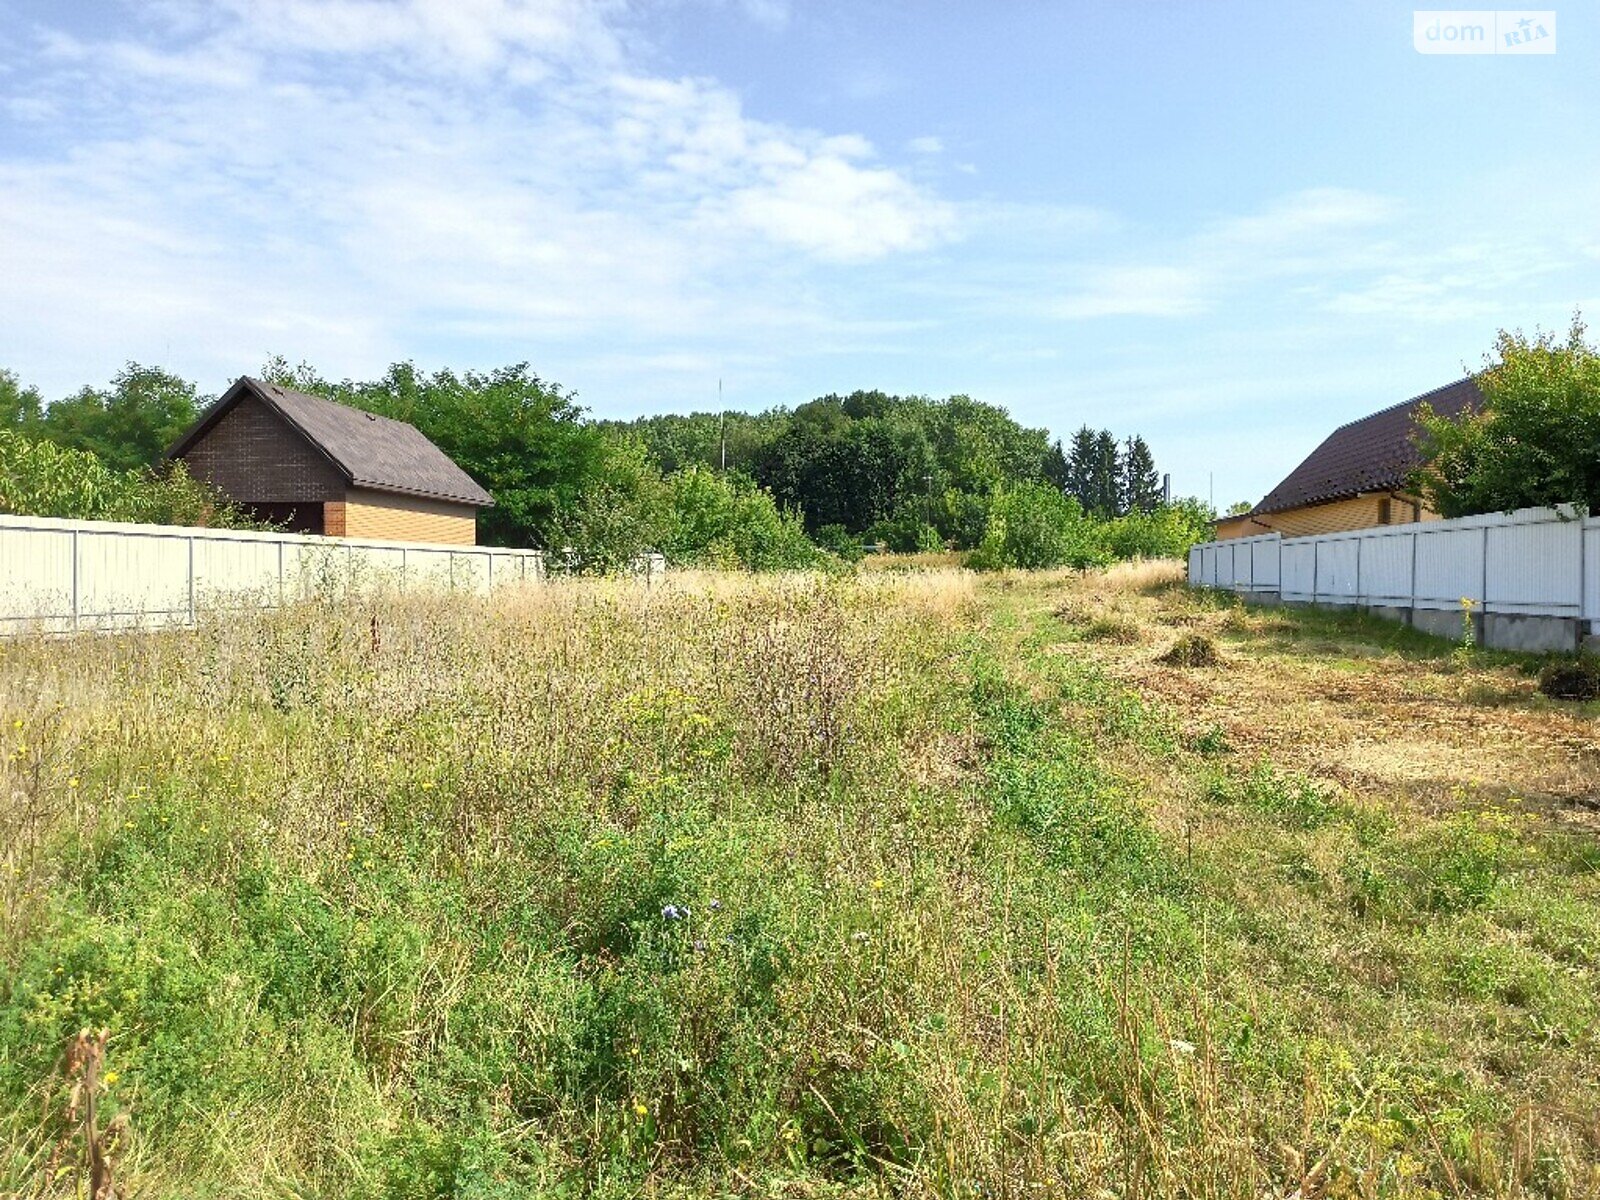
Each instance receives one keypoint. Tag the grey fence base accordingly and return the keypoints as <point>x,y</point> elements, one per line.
<point>1527,632</point>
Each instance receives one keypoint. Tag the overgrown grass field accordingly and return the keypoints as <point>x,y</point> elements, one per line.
<point>907,883</point>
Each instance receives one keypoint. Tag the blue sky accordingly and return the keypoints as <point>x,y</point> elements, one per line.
<point>1226,226</point>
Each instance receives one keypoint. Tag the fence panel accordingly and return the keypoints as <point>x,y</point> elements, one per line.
<point>1449,565</point>
<point>1298,570</point>
<point>506,569</point>
<point>238,571</point>
<point>40,565</point>
<point>125,577</point>
<point>1238,559</point>
<point>376,568</point>
<point>1337,569</point>
<point>1590,551</point>
<point>1534,566</point>
<point>1386,568</point>
<point>469,573</point>
<point>61,575</point>
<point>428,566</point>
<point>1266,564</point>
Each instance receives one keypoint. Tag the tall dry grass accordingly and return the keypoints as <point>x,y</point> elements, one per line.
<point>730,884</point>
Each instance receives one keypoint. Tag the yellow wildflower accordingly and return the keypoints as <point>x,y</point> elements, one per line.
<point>111,1077</point>
<point>73,782</point>
<point>640,1110</point>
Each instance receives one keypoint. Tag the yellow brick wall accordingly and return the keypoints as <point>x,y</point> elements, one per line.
<point>1359,512</point>
<point>1233,527</point>
<point>391,518</point>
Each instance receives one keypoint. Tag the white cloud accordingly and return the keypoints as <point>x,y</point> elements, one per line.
<point>830,207</point>
<point>1329,250</point>
<point>458,36</point>
<point>265,179</point>
<point>927,144</point>
<point>1135,291</point>
<point>1303,217</point>
<point>774,14</point>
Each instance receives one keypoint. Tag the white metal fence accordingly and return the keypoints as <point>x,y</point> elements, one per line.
<point>70,575</point>
<point>1538,562</point>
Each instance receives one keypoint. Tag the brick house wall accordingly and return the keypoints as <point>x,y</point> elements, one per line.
<point>253,456</point>
<point>1358,512</point>
<point>394,518</point>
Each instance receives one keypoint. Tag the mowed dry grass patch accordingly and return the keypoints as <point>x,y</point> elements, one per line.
<point>1351,701</point>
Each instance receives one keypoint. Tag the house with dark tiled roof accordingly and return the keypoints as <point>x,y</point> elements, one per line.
<point>1358,477</point>
<point>316,466</point>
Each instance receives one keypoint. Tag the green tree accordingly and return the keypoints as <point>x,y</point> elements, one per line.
<point>129,425</point>
<point>847,461</point>
<point>1105,477</point>
<point>621,513</point>
<point>907,532</point>
<point>731,441</point>
<point>730,521</point>
<point>1535,443</point>
<point>521,437</point>
<point>1141,482</point>
<point>21,408</point>
<point>1080,467</point>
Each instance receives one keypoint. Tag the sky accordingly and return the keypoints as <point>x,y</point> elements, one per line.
<point>1228,227</point>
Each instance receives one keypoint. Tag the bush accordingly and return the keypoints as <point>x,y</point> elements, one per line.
<point>1034,526</point>
<point>695,517</point>
<point>906,533</point>
<point>1578,679</point>
<point>1533,442</point>
<point>728,520</point>
<point>1192,650</point>
<point>1164,532</point>
<point>840,542</point>
<point>962,518</point>
<point>41,479</point>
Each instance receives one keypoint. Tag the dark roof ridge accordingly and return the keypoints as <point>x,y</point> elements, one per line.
<point>1417,399</point>
<point>370,450</point>
<point>1373,454</point>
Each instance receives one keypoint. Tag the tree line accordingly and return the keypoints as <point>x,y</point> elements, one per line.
<point>777,488</point>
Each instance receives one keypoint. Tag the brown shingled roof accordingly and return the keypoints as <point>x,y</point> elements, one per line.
<point>370,451</point>
<point>1374,454</point>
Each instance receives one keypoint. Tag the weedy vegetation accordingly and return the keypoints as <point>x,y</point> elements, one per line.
<point>904,882</point>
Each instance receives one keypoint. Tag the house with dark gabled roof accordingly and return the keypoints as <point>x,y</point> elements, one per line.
<point>315,466</point>
<point>1359,476</point>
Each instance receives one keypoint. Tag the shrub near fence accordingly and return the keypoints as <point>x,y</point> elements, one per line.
<point>1528,580</point>
<point>68,575</point>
